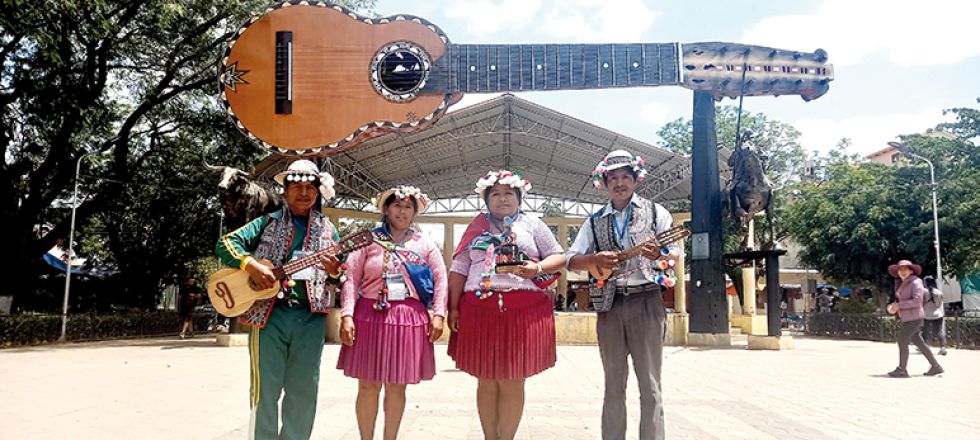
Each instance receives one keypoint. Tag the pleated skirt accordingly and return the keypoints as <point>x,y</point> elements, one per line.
<point>390,346</point>
<point>515,341</point>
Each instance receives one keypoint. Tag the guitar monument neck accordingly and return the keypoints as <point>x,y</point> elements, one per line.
<point>488,68</point>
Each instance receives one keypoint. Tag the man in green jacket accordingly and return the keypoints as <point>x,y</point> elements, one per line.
<point>286,332</point>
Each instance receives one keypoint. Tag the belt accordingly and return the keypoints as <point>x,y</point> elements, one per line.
<point>643,288</point>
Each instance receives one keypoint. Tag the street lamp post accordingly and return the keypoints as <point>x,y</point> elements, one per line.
<point>71,239</point>
<point>935,212</point>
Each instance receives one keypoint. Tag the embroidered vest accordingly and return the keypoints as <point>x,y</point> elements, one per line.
<point>642,226</point>
<point>274,246</point>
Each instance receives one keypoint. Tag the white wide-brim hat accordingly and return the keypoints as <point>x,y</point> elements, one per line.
<point>403,192</point>
<point>306,171</point>
<point>615,160</point>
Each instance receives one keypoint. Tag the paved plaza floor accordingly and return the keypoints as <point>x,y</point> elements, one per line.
<point>192,389</point>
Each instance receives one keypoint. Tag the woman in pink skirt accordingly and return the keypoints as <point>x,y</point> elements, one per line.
<point>385,327</point>
<point>501,313</point>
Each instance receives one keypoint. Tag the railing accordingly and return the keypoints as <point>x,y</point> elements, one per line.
<point>30,329</point>
<point>961,332</point>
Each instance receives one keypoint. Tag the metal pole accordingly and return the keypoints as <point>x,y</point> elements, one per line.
<point>71,239</point>
<point>935,220</point>
<point>935,210</point>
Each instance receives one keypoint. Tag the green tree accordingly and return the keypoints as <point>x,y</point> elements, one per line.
<point>777,140</point>
<point>857,222</point>
<point>134,83</point>
<point>865,216</point>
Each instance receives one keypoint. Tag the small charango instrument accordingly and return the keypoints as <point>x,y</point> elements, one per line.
<point>232,291</point>
<point>599,275</point>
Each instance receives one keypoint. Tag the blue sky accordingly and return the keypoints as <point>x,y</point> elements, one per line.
<point>898,64</point>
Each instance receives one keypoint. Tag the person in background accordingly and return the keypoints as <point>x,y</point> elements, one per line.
<point>825,301</point>
<point>188,297</point>
<point>909,295</point>
<point>935,323</point>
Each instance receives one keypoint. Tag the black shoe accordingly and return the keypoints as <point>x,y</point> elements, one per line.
<point>942,352</point>
<point>899,372</point>
<point>936,369</point>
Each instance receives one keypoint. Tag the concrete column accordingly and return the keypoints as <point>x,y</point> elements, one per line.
<point>563,241</point>
<point>680,291</point>
<point>447,243</point>
<point>748,276</point>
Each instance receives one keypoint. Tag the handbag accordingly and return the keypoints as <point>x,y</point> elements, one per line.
<point>421,276</point>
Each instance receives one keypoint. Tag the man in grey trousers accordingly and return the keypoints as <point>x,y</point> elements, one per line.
<point>630,308</point>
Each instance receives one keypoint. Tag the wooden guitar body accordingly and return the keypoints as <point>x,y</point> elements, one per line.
<point>333,100</point>
<point>232,291</point>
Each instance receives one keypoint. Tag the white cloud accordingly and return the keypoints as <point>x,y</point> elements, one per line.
<point>869,133</point>
<point>911,32</point>
<point>486,17</point>
<point>609,21</point>
<point>656,113</point>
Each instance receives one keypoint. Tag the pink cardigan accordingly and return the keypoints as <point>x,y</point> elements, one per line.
<point>364,274</point>
<point>909,295</point>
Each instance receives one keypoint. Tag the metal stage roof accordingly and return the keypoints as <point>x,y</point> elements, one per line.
<point>555,151</point>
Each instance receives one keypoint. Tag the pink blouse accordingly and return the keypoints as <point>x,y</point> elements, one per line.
<point>532,237</point>
<point>364,273</point>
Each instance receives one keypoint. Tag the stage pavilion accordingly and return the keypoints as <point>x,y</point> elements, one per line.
<point>555,151</point>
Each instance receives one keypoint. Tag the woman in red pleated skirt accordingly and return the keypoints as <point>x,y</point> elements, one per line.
<point>500,310</point>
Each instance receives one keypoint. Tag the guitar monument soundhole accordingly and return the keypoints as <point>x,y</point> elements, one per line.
<point>399,70</point>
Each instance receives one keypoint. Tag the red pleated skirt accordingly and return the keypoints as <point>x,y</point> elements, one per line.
<point>390,346</point>
<point>512,343</point>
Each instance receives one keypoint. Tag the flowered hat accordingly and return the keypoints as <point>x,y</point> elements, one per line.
<point>618,159</point>
<point>893,269</point>
<point>503,177</point>
<point>403,192</point>
<point>306,171</point>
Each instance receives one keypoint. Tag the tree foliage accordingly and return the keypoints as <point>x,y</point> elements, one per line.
<point>777,140</point>
<point>865,216</point>
<point>132,83</point>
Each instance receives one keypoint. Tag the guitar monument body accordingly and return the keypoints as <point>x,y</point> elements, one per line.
<point>674,234</point>
<point>232,291</point>
<point>311,78</point>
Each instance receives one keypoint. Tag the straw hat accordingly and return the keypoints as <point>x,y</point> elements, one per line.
<point>403,192</point>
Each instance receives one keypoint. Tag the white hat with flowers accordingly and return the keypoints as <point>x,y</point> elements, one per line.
<point>502,177</point>
<point>618,159</point>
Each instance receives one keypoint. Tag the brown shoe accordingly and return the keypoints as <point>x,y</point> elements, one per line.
<point>899,372</point>
<point>936,369</point>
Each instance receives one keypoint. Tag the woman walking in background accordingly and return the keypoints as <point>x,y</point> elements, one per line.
<point>909,295</point>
